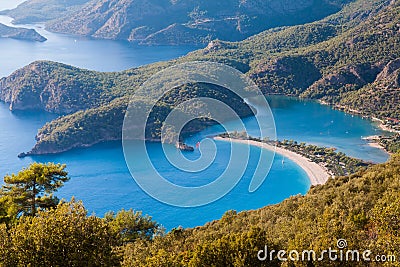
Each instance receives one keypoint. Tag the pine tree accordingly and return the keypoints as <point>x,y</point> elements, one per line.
<point>32,188</point>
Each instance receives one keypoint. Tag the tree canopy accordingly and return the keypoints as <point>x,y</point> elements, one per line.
<point>32,189</point>
<point>62,236</point>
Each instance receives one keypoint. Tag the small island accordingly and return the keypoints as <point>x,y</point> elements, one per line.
<point>20,33</point>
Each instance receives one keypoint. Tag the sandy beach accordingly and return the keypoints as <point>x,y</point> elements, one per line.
<point>376,145</point>
<point>373,141</point>
<point>316,173</point>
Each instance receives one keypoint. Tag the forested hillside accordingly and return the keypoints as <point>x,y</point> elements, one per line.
<point>362,209</point>
<point>187,21</point>
<point>350,60</point>
<point>337,60</point>
<point>381,97</point>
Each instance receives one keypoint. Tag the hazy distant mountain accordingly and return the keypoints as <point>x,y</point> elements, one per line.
<point>20,33</point>
<point>189,21</point>
<point>33,11</point>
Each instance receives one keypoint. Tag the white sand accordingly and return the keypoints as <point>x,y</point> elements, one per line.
<point>316,173</point>
<point>376,145</point>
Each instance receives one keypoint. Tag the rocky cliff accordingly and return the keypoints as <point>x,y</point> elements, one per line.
<point>188,21</point>
<point>355,63</point>
<point>380,97</point>
<point>52,87</point>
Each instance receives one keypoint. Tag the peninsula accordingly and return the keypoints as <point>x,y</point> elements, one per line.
<point>355,65</point>
<point>20,33</point>
<point>316,173</point>
<point>319,163</point>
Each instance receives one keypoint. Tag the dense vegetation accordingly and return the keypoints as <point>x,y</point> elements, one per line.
<point>31,190</point>
<point>362,208</point>
<point>336,163</point>
<point>56,88</point>
<point>381,97</point>
<point>39,230</point>
<point>339,60</point>
<point>104,123</point>
<point>349,58</point>
<point>391,143</point>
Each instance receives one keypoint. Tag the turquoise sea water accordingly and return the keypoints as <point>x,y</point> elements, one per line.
<point>101,179</point>
<point>83,52</point>
<point>99,175</point>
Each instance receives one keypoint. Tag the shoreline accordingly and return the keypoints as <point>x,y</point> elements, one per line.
<point>378,146</point>
<point>346,109</point>
<point>373,141</point>
<point>380,123</point>
<point>316,174</point>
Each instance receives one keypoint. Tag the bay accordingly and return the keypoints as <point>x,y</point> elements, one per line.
<point>99,175</point>
<point>78,51</point>
<point>100,178</point>
<point>9,4</point>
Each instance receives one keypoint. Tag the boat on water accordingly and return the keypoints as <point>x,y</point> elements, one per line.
<point>184,147</point>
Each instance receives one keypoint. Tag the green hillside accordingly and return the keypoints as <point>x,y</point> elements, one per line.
<point>334,60</point>
<point>362,209</point>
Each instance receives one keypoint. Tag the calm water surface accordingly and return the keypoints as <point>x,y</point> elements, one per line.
<point>101,179</point>
<point>9,4</point>
<point>99,175</point>
<point>88,53</point>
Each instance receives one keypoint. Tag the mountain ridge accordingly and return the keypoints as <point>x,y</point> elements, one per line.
<point>20,33</point>
<point>353,53</point>
<point>157,22</point>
